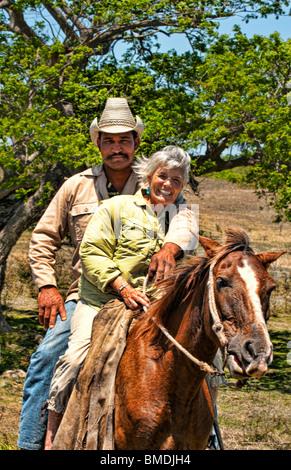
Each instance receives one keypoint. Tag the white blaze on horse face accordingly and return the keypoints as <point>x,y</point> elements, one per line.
<point>251,282</point>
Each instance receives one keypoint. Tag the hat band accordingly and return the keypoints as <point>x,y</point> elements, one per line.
<point>117,122</point>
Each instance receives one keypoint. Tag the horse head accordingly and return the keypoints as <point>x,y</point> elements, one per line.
<point>241,288</point>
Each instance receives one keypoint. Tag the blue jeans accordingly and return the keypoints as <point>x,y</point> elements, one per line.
<point>32,428</point>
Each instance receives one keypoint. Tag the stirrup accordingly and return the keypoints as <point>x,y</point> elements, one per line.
<point>211,445</point>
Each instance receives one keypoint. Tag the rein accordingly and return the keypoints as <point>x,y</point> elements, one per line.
<point>217,326</point>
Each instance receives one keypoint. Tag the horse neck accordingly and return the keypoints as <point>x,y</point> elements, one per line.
<point>191,325</point>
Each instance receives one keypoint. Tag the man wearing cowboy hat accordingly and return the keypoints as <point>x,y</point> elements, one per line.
<point>117,135</point>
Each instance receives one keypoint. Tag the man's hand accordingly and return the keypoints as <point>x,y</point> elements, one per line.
<point>164,261</point>
<point>50,303</point>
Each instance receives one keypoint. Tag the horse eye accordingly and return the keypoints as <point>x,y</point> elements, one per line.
<point>221,282</point>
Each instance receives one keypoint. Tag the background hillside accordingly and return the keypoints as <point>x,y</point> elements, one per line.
<point>256,417</point>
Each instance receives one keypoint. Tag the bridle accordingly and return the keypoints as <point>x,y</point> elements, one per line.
<point>217,324</point>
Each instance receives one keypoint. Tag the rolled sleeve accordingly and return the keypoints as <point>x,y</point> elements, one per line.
<point>184,228</point>
<point>47,239</point>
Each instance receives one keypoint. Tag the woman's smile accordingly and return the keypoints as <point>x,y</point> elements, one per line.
<point>165,185</point>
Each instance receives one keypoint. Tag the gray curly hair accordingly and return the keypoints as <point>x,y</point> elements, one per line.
<point>169,157</point>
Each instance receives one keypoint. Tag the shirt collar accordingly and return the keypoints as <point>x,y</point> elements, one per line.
<point>139,199</point>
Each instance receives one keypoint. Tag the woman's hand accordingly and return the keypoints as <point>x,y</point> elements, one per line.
<point>133,298</point>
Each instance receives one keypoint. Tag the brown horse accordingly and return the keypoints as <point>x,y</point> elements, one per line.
<point>217,301</point>
<point>220,301</point>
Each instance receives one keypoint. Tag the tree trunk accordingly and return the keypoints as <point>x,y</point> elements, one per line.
<point>18,217</point>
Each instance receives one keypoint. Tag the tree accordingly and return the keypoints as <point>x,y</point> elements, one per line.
<point>49,53</point>
<point>229,107</point>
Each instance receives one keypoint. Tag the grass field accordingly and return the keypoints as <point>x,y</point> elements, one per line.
<point>258,416</point>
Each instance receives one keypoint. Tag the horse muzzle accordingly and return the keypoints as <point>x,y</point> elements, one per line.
<point>249,358</point>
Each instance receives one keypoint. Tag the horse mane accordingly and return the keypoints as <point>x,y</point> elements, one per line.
<point>182,281</point>
<point>236,240</point>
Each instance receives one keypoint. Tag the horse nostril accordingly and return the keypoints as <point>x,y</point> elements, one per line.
<point>270,355</point>
<point>249,348</point>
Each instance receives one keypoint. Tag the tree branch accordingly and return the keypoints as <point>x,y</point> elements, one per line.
<point>17,23</point>
<point>62,21</point>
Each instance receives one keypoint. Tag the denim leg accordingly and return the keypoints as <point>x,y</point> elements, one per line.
<point>32,428</point>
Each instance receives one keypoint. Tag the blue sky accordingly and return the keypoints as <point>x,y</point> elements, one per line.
<point>261,26</point>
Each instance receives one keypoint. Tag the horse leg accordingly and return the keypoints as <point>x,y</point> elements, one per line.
<point>54,421</point>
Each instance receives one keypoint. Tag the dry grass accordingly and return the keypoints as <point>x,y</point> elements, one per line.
<point>254,418</point>
<point>223,204</point>
<point>10,393</point>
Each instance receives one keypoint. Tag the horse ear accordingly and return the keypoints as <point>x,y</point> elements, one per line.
<point>269,257</point>
<point>210,246</point>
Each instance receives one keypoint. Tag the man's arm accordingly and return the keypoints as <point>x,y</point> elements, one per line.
<point>46,240</point>
<point>181,239</point>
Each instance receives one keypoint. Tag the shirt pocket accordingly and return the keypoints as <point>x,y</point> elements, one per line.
<point>81,215</point>
<point>134,228</point>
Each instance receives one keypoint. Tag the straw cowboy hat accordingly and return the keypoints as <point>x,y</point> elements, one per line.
<point>116,118</point>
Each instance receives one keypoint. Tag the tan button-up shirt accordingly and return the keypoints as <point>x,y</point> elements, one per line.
<point>70,211</point>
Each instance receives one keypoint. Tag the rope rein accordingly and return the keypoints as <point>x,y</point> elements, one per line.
<point>217,327</point>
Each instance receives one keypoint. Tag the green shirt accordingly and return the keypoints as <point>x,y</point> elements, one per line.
<point>121,237</point>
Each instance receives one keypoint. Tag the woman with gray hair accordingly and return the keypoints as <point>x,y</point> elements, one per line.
<point>168,157</point>
<point>120,239</point>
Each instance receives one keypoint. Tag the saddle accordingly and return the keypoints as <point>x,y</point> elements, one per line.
<point>88,422</point>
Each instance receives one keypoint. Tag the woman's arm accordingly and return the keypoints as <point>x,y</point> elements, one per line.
<point>97,249</point>
<point>97,253</point>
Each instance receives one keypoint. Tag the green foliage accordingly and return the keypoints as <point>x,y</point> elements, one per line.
<point>35,132</point>
<point>237,176</point>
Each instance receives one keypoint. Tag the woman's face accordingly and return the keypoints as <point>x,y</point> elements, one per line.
<point>165,185</point>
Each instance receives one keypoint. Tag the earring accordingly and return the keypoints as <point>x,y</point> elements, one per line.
<point>148,190</point>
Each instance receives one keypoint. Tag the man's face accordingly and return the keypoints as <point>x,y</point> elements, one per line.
<point>118,150</point>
